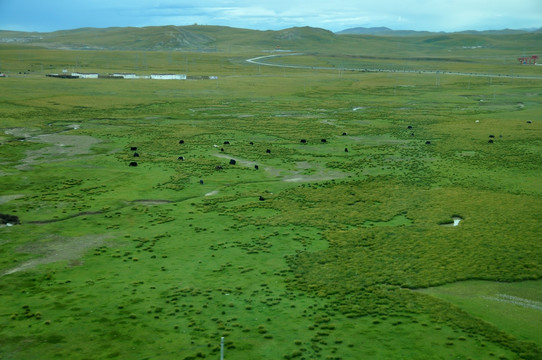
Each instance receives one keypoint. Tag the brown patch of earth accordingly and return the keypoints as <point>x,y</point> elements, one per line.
<point>58,249</point>
<point>319,173</point>
<point>5,198</point>
<point>63,146</point>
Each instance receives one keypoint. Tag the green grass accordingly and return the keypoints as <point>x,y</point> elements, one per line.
<point>343,257</point>
<point>514,307</point>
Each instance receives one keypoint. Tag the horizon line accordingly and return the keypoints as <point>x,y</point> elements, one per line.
<point>530,29</point>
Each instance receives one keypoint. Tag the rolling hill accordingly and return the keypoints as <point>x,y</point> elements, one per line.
<point>194,37</point>
<point>220,38</point>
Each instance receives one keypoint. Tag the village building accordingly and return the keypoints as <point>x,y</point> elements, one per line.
<point>85,75</point>
<point>168,76</point>
<point>125,75</point>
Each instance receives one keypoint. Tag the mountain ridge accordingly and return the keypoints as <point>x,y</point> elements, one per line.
<point>382,30</point>
<point>222,38</point>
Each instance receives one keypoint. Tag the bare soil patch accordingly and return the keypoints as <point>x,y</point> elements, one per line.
<point>58,249</point>
<point>6,198</point>
<point>62,146</point>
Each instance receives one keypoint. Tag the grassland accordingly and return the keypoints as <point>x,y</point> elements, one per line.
<point>320,253</point>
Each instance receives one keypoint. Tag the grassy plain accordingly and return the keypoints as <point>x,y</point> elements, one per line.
<point>320,253</point>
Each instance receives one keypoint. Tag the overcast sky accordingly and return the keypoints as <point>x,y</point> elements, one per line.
<point>334,15</point>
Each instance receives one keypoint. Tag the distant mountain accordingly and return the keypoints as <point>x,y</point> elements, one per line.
<point>381,31</point>
<point>207,38</point>
<point>384,31</point>
<point>495,32</point>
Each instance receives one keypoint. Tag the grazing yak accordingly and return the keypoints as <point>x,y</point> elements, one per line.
<point>233,162</point>
<point>268,151</point>
<point>133,163</point>
<point>136,154</point>
<point>133,148</point>
<point>180,158</point>
<point>323,140</point>
<point>181,141</point>
<point>9,219</point>
<point>303,141</point>
<point>256,167</point>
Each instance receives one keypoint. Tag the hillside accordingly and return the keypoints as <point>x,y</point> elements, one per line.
<point>227,39</point>
<point>194,37</point>
<point>383,31</point>
<point>389,32</point>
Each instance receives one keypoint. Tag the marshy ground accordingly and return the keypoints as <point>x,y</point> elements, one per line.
<point>318,253</point>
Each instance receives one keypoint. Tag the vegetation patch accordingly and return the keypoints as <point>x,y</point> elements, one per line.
<point>294,211</point>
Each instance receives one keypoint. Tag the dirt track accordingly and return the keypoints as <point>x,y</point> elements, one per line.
<point>257,61</point>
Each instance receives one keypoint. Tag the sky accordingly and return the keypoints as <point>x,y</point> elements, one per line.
<point>334,15</point>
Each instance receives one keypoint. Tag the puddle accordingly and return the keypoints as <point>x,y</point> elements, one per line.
<point>455,222</point>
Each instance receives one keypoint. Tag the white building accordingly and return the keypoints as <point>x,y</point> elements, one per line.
<point>126,75</point>
<point>85,75</point>
<point>168,76</point>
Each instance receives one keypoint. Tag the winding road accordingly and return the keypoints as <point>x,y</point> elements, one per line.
<point>260,61</point>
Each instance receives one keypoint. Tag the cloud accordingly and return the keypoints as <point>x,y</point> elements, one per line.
<point>451,15</point>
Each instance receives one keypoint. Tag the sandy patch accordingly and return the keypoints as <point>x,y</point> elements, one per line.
<point>5,198</point>
<point>21,132</point>
<point>59,249</point>
<point>238,160</point>
<point>329,122</point>
<point>305,165</point>
<point>214,192</point>
<point>321,174</point>
<point>62,146</point>
<point>531,304</point>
